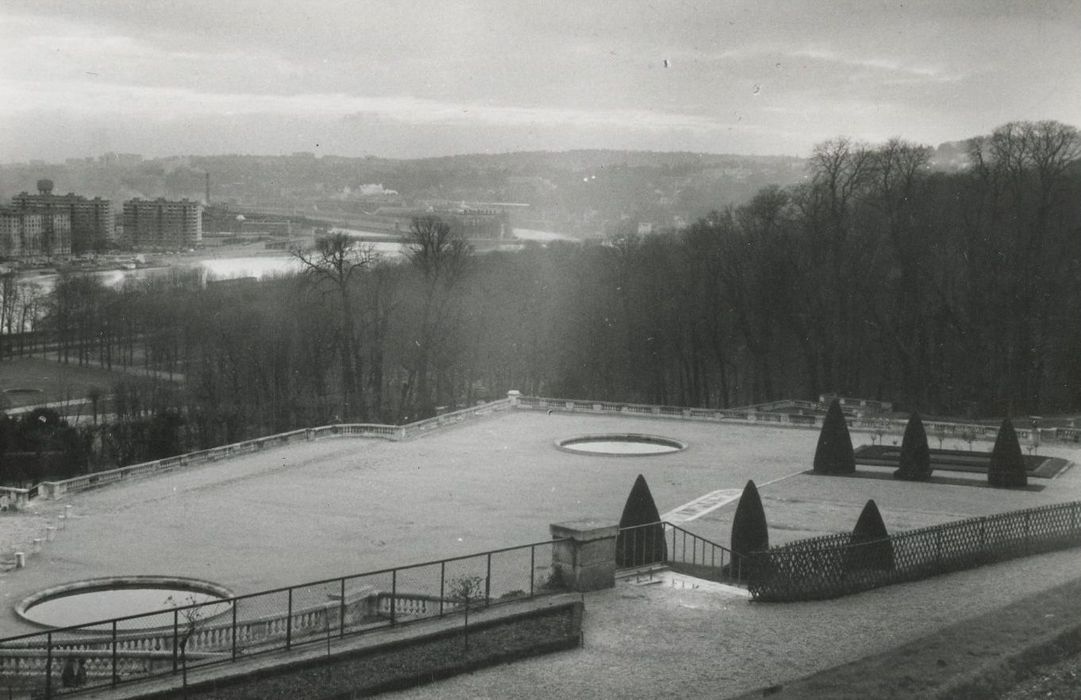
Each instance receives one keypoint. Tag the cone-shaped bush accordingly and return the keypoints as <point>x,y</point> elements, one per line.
<point>915,454</point>
<point>641,535</point>
<point>749,531</point>
<point>1007,468</point>
<point>870,547</point>
<point>834,454</point>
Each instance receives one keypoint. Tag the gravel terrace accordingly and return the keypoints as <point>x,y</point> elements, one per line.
<point>344,505</point>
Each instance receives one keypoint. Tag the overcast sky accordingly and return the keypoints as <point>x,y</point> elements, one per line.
<point>401,79</point>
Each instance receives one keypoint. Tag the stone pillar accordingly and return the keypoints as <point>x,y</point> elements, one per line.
<point>586,559</point>
<point>513,395</point>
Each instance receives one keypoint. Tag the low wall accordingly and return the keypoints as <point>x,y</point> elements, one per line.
<point>12,498</point>
<point>753,415</point>
<point>497,636</point>
<point>759,415</point>
<point>56,489</point>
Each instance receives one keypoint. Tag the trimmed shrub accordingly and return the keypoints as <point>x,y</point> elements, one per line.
<point>749,530</point>
<point>644,544</point>
<point>834,454</point>
<point>870,548</point>
<point>915,463</point>
<point>1007,468</point>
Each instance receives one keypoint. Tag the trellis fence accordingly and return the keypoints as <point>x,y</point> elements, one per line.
<point>832,566</point>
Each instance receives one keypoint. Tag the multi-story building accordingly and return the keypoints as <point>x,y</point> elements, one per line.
<point>161,223</point>
<point>90,221</point>
<point>25,233</point>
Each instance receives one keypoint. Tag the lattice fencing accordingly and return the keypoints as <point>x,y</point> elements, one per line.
<point>830,566</point>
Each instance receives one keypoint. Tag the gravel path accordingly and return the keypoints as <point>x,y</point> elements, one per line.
<point>650,641</point>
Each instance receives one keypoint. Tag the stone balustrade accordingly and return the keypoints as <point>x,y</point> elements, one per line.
<point>755,414</point>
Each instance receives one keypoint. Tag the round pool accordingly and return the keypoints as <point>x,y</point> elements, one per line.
<point>621,445</point>
<point>93,600</point>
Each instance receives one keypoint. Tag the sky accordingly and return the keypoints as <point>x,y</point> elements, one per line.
<point>412,79</point>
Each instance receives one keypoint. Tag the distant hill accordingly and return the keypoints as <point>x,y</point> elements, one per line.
<point>584,191</point>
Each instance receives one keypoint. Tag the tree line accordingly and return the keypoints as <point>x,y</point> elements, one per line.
<point>951,293</point>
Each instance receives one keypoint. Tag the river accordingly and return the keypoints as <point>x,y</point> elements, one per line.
<point>226,266</point>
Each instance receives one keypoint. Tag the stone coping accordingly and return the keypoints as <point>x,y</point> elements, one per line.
<point>114,582</point>
<point>566,444</point>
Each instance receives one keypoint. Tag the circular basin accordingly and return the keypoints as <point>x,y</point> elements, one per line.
<point>84,602</point>
<point>621,445</point>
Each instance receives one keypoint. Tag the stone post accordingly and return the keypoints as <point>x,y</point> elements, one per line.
<point>585,559</point>
<point>513,395</point>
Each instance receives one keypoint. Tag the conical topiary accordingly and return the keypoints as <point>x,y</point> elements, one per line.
<point>915,460</point>
<point>749,534</point>
<point>641,534</point>
<point>870,547</point>
<point>1007,468</point>
<point>834,454</point>
<point>749,530</point>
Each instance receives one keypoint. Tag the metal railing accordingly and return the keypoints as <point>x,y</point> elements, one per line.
<point>135,647</point>
<point>663,543</point>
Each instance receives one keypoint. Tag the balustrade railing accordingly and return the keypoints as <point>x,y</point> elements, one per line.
<point>761,413</point>
<point>221,631</point>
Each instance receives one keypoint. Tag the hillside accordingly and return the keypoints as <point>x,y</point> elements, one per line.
<point>585,191</point>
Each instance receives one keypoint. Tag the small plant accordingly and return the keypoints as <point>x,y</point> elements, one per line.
<point>553,581</point>
<point>467,591</point>
<point>879,428</point>
<point>940,435</point>
<point>969,436</point>
<point>189,619</point>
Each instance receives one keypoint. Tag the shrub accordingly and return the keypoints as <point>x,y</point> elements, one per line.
<point>870,548</point>
<point>915,463</point>
<point>644,544</point>
<point>834,454</point>
<point>1007,468</point>
<point>749,530</point>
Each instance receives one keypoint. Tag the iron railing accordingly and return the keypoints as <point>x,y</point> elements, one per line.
<point>136,647</point>
<point>663,543</point>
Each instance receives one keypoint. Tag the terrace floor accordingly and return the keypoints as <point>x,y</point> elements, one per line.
<point>345,505</point>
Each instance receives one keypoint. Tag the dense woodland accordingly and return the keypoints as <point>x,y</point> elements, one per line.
<point>951,293</point>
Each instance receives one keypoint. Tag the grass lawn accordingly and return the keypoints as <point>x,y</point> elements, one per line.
<point>27,381</point>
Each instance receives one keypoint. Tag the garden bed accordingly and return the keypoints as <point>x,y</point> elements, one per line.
<point>957,460</point>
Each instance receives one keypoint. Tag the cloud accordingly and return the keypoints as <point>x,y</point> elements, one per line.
<point>927,72</point>
<point>99,98</point>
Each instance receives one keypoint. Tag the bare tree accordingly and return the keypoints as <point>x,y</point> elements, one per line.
<point>443,259</point>
<point>334,265</point>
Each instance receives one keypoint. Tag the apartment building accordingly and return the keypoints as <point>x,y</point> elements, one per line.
<point>162,223</point>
